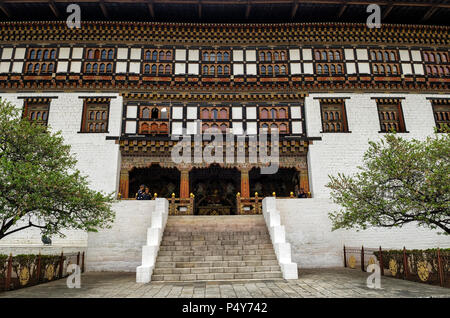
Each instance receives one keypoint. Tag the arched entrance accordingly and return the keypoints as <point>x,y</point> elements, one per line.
<point>215,189</point>
<point>163,181</point>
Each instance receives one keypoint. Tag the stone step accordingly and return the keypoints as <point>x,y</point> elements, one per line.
<point>230,263</point>
<point>265,251</point>
<point>165,242</point>
<point>214,247</point>
<point>210,237</point>
<point>215,258</point>
<point>180,230</point>
<point>217,276</point>
<point>207,270</point>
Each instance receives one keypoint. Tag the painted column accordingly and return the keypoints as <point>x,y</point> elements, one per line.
<point>124,183</point>
<point>184,183</point>
<point>245,183</point>
<point>304,182</point>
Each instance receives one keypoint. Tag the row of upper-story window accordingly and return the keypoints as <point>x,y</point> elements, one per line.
<point>162,128</point>
<point>264,55</point>
<point>273,62</point>
<point>94,118</point>
<point>213,113</point>
<point>333,114</point>
<point>386,55</point>
<point>390,115</point>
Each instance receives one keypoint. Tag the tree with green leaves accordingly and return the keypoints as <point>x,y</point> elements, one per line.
<point>400,181</point>
<point>40,186</point>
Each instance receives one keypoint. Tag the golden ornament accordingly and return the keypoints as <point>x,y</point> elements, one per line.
<point>352,261</point>
<point>422,271</point>
<point>50,272</point>
<point>24,276</point>
<point>393,267</point>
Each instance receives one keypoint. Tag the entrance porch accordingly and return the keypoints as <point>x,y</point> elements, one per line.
<point>214,189</point>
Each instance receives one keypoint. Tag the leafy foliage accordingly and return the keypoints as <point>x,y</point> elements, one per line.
<point>400,181</point>
<point>39,183</point>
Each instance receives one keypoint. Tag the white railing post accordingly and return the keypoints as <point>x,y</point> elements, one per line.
<point>278,237</point>
<point>154,236</point>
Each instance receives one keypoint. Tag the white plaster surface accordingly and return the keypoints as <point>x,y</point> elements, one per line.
<point>91,150</point>
<point>313,244</point>
<point>119,248</point>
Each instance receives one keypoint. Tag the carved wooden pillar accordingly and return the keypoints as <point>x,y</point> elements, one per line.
<point>245,183</point>
<point>124,183</point>
<point>304,182</point>
<point>184,183</point>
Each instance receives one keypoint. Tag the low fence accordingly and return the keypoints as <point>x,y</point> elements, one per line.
<point>27,270</point>
<point>431,266</point>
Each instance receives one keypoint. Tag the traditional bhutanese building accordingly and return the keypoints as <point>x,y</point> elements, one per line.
<point>123,92</point>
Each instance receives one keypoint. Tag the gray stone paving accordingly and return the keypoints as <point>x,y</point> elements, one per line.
<point>340,282</point>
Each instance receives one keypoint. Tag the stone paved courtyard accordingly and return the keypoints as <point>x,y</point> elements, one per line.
<point>311,283</point>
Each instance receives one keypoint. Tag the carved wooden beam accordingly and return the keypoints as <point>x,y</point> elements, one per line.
<point>4,9</point>
<point>52,5</point>
<point>103,7</point>
<point>247,11</point>
<point>388,10</point>
<point>151,9</point>
<point>294,9</point>
<point>429,13</point>
<point>342,10</point>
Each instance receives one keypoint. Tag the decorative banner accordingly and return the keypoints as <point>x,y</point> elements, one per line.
<point>352,261</point>
<point>422,271</point>
<point>50,272</point>
<point>24,276</point>
<point>393,267</point>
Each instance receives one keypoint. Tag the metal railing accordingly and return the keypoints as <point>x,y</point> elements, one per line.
<point>27,270</point>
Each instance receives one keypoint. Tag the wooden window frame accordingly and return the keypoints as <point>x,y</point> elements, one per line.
<point>276,123</point>
<point>435,65</point>
<point>400,116</point>
<point>85,121</point>
<point>273,63</point>
<point>210,110</point>
<point>151,107</point>
<point>343,112</point>
<point>158,131</point>
<point>215,63</point>
<point>444,104</point>
<point>35,61</point>
<point>27,109</point>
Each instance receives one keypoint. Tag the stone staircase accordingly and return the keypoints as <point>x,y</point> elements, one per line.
<point>216,248</point>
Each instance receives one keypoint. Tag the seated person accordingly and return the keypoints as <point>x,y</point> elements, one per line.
<point>147,195</point>
<point>140,193</point>
<point>302,194</point>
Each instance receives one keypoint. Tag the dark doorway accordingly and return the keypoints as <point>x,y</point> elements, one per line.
<point>282,183</point>
<point>215,190</point>
<point>163,181</point>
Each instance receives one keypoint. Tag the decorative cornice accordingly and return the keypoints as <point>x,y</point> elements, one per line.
<point>224,34</point>
<point>223,97</point>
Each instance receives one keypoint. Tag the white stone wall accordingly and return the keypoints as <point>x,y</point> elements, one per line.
<point>308,227</point>
<point>342,152</point>
<point>313,244</point>
<point>120,248</point>
<point>98,158</point>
